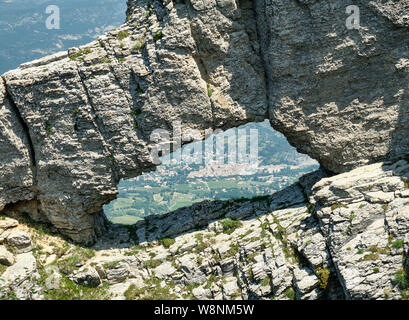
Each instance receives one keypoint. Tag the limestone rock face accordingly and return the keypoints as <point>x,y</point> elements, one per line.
<point>16,162</point>
<point>338,95</point>
<point>364,216</point>
<point>18,266</point>
<point>326,237</point>
<point>73,124</point>
<point>6,257</point>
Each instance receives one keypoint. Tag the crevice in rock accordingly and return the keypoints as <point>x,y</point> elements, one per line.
<point>118,81</point>
<point>263,36</point>
<point>205,77</point>
<point>138,131</point>
<point>98,126</point>
<point>336,279</point>
<point>254,4</point>
<point>26,130</point>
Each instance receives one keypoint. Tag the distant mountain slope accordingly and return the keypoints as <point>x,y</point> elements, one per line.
<point>22,27</point>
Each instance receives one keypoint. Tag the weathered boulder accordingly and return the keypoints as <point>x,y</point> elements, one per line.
<point>53,279</point>
<point>364,219</point>
<point>19,240</point>
<point>117,273</point>
<point>87,276</point>
<point>7,223</point>
<point>6,257</point>
<point>21,279</point>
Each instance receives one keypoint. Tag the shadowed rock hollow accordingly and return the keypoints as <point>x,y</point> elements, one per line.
<point>73,124</point>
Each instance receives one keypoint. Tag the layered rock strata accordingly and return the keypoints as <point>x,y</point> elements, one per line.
<point>77,122</point>
<point>338,237</point>
<point>73,124</point>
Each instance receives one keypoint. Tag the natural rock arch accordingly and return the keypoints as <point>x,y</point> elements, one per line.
<point>75,123</point>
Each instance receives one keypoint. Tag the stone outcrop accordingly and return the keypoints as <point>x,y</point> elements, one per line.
<point>18,267</point>
<point>16,162</point>
<point>338,95</point>
<point>73,124</point>
<point>363,215</point>
<point>326,237</point>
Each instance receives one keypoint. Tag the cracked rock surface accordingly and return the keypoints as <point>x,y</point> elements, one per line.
<point>326,237</point>
<point>364,217</point>
<point>75,123</point>
<point>338,95</point>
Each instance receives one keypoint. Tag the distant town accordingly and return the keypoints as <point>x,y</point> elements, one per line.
<point>175,185</point>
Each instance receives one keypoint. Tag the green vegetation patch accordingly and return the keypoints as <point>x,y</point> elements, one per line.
<point>78,257</point>
<point>139,44</point>
<point>158,35</point>
<point>69,290</point>
<point>338,205</point>
<point>323,275</point>
<point>111,264</point>
<point>136,112</point>
<point>167,242</point>
<point>398,244</point>
<point>265,282</point>
<point>152,291</point>
<point>122,35</point>
<point>290,293</point>
<point>376,249</point>
<point>105,60</point>
<point>229,225</point>
<point>152,263</point>
<point>209,90</point>
<point>401,279</point>
<point>48,129</point>
<point>2,269</point>
<point>80,54</point>
<point>370,256</point>
<point>234,249</point>
<point>134,250</point>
